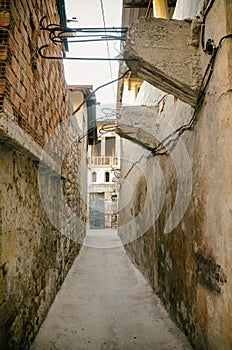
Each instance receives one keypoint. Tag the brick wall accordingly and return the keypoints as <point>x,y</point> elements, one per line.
<point>32,89</point>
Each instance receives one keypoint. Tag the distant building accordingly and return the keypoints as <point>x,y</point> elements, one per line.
<point>103,161</point>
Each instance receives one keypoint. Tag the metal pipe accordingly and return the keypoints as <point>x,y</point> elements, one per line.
<point>60,40</point>
<point>79,58</point>
<point>59,34</point>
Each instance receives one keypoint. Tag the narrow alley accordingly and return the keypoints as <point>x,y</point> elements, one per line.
<point>105,303</point>
<point>115,174</point>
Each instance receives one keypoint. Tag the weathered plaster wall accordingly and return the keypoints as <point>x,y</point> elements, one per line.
<point>191,267</point>
<point>35,255</point>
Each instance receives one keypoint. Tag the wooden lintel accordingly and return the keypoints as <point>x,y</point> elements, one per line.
<point>135,5</point>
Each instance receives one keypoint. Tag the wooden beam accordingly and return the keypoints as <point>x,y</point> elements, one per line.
<point>135,5</point>
<point>148,8</point>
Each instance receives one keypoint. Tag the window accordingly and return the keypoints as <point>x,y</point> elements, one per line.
<point>96,150</point>
<point>107,176</point>
<point>94,177</point>
<point>110,147</point>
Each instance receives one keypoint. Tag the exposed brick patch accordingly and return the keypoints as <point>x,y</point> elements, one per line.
<point>24,76</point>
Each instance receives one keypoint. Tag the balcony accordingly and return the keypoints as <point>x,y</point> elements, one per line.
<point>103,161</point>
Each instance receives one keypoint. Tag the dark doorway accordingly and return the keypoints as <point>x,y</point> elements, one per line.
<point>97,210</point>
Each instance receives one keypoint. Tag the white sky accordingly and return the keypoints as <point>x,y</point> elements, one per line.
<point>88,14</point>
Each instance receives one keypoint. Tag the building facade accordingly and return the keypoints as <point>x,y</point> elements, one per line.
<point>179,214</point>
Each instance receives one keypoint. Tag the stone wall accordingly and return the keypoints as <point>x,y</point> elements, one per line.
<point>189,266</point>
<point>35,257</point>
<point>42,174</point>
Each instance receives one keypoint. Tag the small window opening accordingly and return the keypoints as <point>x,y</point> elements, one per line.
<point>94,177</point>
<point>107,176</point>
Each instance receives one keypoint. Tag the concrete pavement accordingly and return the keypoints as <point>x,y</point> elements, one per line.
<point>106,304</point>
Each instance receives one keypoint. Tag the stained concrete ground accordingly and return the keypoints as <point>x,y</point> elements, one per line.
<point>106,304</point>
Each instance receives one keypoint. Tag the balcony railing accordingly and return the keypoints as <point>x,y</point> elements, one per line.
<point>103,160</point>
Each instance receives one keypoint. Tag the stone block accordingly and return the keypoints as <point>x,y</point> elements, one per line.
<point>139,124</point>
<point>164,53</point>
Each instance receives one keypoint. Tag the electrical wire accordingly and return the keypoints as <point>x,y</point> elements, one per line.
<point>208,8</point>
<point>137,162</point>
<point>85,134</point>
<point>106,128</point>
<point>169,142</point>
<point>110,112</point>
<point>120,53</point>
<point>59,34</point>
<point>107,42</point>
<point>98,88</point>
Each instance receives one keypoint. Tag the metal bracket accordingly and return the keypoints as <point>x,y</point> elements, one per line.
<point>59,34</point>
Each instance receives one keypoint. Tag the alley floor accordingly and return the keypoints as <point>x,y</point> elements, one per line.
<point>106,304</point>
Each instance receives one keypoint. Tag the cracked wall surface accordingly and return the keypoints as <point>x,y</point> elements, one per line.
<point>190,267</point>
